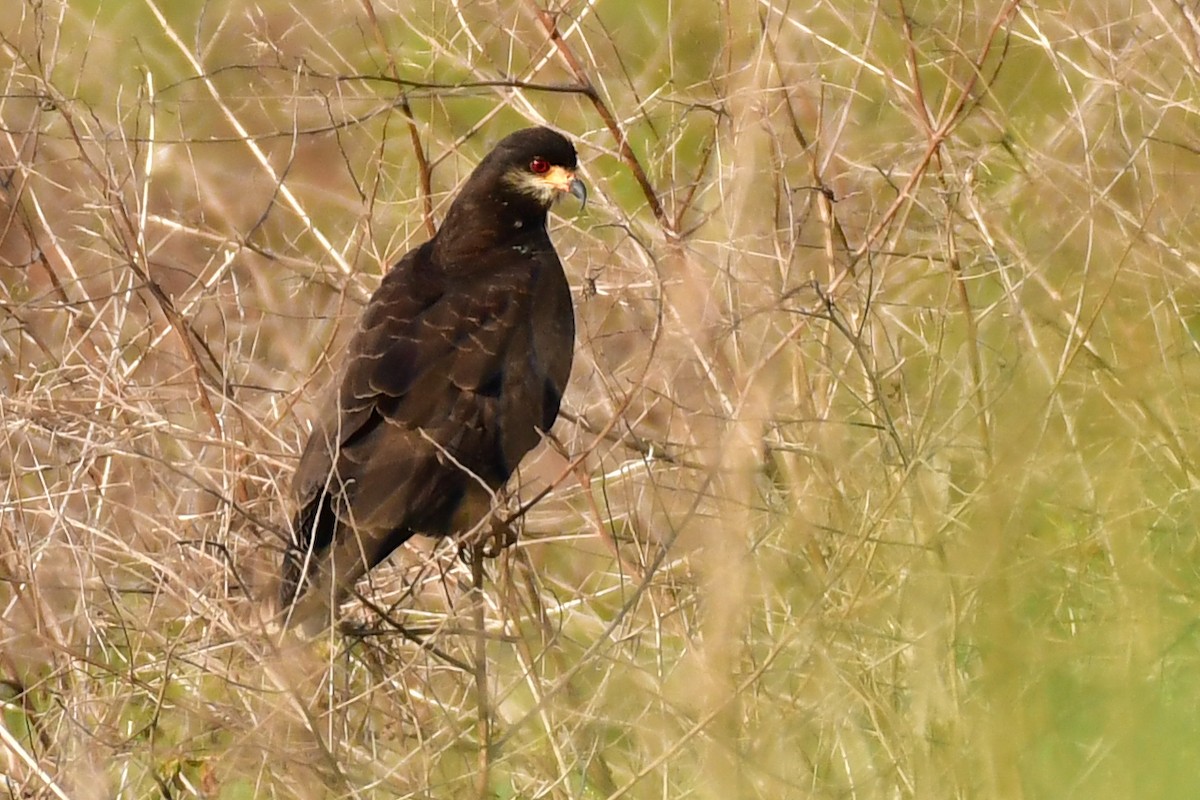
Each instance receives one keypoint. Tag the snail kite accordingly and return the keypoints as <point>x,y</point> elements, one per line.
<point>456,369</point>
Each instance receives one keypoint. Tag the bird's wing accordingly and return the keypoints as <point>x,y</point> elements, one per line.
<point>424,371</point>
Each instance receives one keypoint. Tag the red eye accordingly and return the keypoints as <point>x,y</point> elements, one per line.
<point>539,165</point>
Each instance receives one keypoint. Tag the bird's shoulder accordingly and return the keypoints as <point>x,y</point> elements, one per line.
<point>431,322</point>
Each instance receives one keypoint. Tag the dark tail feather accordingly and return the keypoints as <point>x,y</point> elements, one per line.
<point>290,585</point>
<point>312,534</point>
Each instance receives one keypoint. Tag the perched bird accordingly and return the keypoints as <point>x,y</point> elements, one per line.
<point>455,371</point>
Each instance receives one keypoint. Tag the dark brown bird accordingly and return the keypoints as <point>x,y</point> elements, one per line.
<point>454,373</point>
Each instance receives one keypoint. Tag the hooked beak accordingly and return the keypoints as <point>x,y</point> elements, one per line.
<point>564,180</point>
<point>577,189</point>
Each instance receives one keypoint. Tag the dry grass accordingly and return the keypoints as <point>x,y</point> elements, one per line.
<point>880,472</point>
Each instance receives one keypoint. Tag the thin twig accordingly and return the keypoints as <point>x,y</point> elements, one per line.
<point>244,135</point>
<point>482,696</point>
<point>414,135</point>
<point>549,22</point>
<point>10,741</point>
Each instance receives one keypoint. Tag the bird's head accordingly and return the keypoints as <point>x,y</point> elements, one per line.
<point>539,164</point>
<point>509,193</point>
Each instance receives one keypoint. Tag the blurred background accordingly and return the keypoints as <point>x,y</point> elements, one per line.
<point>876,476</point>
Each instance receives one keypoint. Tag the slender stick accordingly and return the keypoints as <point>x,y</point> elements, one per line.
<point>482,700</point>
<point>413,134</point>
<point>549,23</point>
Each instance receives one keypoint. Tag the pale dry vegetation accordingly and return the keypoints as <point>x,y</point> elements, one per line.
<point>877,476</point>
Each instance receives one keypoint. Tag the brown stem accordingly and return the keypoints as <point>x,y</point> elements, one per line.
<point>482,700</point>
<point>414,135</point>
<point>936,137</point>
<point>549,23</point>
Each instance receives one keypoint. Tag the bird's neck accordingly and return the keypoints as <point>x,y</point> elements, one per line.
<point>474,226</point>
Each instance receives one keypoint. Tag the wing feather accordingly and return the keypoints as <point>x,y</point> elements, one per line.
<point>440,370</point>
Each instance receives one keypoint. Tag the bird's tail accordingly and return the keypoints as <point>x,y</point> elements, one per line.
<point>299,608</point>
<point>292,578</point>
<point>311,535</point>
